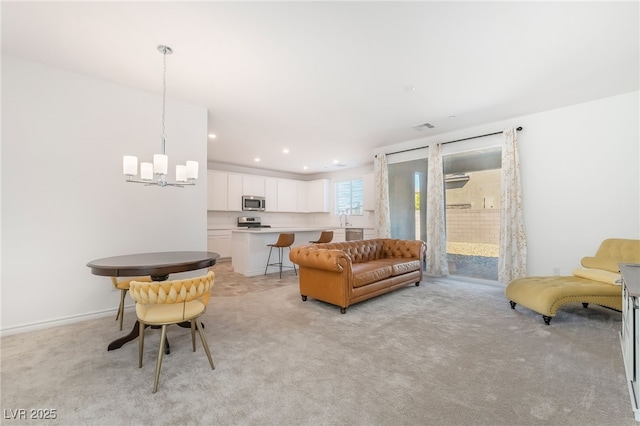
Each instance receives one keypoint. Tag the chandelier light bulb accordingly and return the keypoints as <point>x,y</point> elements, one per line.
<point>181,173</point>
<point>192,170</point>
<point>146,171</point>
<point>160,164</point>
<point>130,165</point>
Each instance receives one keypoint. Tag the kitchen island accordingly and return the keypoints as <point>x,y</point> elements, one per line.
<point>250,250</point>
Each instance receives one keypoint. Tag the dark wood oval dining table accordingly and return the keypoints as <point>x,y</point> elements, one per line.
<point>158,266</point>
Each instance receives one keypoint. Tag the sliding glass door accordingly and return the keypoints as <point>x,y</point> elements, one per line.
<point>472,191</point>
<point>472,195</point>
<point>408,199</point>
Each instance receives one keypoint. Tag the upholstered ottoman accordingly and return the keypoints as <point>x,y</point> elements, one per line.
<point>546,294</point>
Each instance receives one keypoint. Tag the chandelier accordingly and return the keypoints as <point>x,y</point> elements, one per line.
<point>156,173</point>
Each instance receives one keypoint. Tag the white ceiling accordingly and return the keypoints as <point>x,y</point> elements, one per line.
<point>328,80</point>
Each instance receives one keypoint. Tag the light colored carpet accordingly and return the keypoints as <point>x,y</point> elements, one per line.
<point>442,353</point>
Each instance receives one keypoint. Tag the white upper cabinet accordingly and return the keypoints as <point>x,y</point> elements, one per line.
<point>302,197</point>
<point>216,190</point>
<point>317,195</point>
<point>369,201</point>
<point>271,194</point>
<point>225,191</point>
<point>234,195</point>
<point>287,195</point>
<point>253,185</point>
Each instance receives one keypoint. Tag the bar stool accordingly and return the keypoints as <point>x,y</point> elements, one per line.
<point>325,237</point>
<point>284,240</point>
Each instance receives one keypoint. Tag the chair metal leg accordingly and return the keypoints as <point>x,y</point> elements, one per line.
<point>204,344</point>
<point>120,314</point>
<point>268,260</point>
<point>280,263</point>
<point>160,353</point>
<point>141,328</point>
<point>193,334</point>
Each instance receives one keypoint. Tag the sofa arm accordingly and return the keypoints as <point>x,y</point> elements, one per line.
<point>311,257</point>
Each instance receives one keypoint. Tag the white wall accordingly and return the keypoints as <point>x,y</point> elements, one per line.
<point>64,198</point>
<point>580,180</point>
<point>580,177</point>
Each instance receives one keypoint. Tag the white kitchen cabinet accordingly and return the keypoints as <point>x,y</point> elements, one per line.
<point>253,185</point>
<point>630,333</point>
<point>302,197</point>
<point>338,236</point>
<point>369,196</point>
<point>219,241</point>
<point>234,194</point>
<point>216,190</point>
<point>369,233</point>
<point>271,194</point>
<point>317,195</point>
<point>287,195</point>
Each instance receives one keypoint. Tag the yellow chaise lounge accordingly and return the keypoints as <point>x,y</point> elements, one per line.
<point>597,282</point>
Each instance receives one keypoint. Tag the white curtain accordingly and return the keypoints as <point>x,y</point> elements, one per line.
<point>436,227</point>
<point>381,183</point>
<point>512,261</point>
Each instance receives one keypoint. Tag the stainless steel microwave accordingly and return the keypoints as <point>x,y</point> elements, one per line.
<point>253,203</point>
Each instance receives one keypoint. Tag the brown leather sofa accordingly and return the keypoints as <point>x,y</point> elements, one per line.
<point>350,272</point>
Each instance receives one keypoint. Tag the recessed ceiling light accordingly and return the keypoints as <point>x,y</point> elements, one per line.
<point>257,159</point>
<point>212,136</point>
<point>409,88</point>
<point>305,168</point>
<point>336,161</point>
<point>285,151</point>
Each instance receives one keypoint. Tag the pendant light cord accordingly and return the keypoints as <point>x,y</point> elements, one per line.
<point>164,94</point>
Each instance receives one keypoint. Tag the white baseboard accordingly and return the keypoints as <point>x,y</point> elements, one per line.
<point>25,328</point>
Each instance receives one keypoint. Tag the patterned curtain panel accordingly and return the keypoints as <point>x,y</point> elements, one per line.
<point>512,261</point>
<point>381,183</point>
<point>436,227</point>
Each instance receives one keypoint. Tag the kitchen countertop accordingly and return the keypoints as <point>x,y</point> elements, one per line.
<point>280,229</point>
<point>285,229</point>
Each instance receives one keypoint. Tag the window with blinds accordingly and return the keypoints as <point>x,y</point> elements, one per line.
<point>349,197</point>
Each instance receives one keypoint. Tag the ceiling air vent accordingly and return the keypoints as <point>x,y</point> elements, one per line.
<point>331,166</point>
<point>423,126</point>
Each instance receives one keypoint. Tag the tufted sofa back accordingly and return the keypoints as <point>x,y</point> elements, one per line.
<point>366,250</point>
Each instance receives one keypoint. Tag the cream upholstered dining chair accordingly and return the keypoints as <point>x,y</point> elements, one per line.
<point>123,286</point>
<point>161,303</point>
